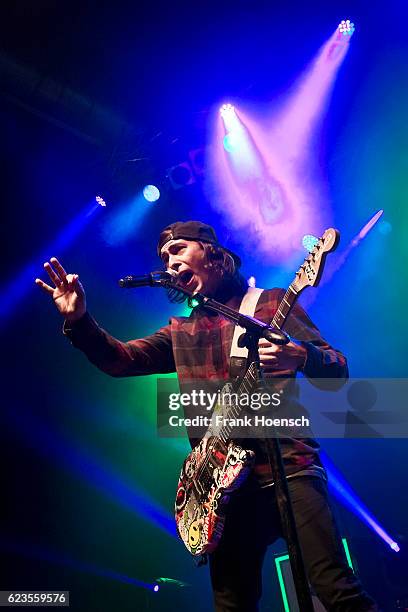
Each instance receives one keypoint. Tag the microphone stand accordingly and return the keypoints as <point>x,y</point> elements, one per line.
<point>253,326</point>
<point>255,330</point>
<point>285,509</point>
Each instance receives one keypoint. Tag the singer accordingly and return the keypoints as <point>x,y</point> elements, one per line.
<point>198,347</point>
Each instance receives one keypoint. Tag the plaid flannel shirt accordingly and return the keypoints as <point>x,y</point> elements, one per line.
<point>198,347</point>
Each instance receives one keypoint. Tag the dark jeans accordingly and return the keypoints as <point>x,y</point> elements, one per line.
<point>253,523</point>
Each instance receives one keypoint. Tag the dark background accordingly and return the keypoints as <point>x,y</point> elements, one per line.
<point>86,87</point>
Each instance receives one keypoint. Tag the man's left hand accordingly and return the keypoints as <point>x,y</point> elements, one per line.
<point>273,358</point>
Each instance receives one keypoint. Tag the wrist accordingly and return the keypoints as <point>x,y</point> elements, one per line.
<point>74,317</point>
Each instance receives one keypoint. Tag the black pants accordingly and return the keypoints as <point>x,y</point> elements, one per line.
<point>253,523</point>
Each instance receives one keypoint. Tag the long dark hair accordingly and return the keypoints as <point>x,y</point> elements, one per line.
<point>222,264</point>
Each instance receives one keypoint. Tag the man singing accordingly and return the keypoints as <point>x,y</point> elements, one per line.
<point>198,347</point>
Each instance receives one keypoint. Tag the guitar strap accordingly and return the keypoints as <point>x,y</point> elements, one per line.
<point>239,354</point>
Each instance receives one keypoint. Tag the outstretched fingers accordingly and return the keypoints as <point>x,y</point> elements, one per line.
<point>59,268</point>
<point>56,279</point>
<point>44,286</point>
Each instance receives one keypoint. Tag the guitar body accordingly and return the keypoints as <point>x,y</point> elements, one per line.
<point>210,473</point>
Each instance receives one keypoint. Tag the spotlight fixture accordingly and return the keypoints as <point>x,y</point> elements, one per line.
<point>346,27</point>
<point>100,201</point>
<point>151,193</point>
<point>227,110</point>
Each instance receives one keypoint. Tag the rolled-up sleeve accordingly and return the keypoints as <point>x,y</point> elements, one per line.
<point>150,355</point>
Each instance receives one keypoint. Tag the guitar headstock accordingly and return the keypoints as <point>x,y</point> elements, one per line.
<point>311,269</point>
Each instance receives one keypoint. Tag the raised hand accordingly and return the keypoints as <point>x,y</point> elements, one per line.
<point>68,293</point>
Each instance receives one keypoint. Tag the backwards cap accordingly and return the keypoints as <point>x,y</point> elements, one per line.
<point>192,230</point>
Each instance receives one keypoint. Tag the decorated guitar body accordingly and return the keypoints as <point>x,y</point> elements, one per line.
<point>210,473</point>
<point>218,466</point>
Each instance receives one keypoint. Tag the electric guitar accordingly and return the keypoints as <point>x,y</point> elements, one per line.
<point>218,466</point>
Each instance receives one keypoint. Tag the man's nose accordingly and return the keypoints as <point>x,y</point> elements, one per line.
<point>174,263</point>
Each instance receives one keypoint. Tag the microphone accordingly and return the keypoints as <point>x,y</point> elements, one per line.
<point>161,277</point>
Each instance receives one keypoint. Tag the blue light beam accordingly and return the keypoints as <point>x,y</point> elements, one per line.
<point>14,292</point>
<point>33,551</point>
<point>125,222</point>
<point>350,499</point>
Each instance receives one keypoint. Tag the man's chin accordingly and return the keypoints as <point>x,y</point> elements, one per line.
<point>203,288</point>
<point>199,285</point>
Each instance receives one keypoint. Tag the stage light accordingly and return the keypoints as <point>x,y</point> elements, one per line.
<point>14,292</point>
<point>345,493</point>
<point>252,281</point>
<point>309,242</point>
<point>100,201</point>
<point>156,588</point>
<point>346,27</point>
<point>230,118</point>
<point>32,551</point>
<point>151,193</point>
<point>369,225</point>
<point>259,183</point>
<point>227,110</point>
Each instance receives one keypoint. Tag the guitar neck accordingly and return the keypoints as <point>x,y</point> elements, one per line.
<point>285,306</point>
<point>251,377</point>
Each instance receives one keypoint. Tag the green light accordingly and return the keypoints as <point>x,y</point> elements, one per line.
<point>279,560</point>
<point>346,548</point>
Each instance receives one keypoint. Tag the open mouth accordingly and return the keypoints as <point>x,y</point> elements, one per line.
<point>185,277</point>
